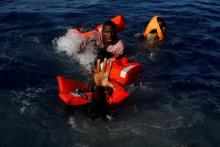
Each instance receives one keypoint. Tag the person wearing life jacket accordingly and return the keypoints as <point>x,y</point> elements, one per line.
<point>155,26</point>
<point>105,40</point>
<point>154,34</point>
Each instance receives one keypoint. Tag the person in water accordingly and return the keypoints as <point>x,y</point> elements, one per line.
<point>154,34</point>
<point>100,86</point>
<point>105,40</point>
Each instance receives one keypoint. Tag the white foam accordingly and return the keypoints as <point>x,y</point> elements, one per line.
<point>22,109</point>
<point>26,102</point>
<point>70,43</point>
<point>71,122</point>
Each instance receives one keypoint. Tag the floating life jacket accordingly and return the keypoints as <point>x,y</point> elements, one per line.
<point>124,72</point>
<point>69,95</point>
<point>154,25</point>
<point>118,20</point>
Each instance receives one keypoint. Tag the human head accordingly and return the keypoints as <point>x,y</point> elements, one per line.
<point>108,32</point>
<point>152,37</point>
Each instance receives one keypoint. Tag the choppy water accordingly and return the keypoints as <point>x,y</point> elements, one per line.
<point>177,105</point>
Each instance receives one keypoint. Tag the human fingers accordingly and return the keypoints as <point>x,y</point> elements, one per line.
<point>109,67</point>
<point>104,64</point>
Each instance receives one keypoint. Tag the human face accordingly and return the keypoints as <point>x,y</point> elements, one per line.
<point>108,35</point>
<point>152,38</point>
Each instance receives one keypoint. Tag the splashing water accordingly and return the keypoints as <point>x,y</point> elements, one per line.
<point>70,43</point>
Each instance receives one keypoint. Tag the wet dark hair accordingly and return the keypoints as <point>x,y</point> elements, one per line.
<point>109,23</point>
<point>161,22</point>
<point>153,31</point>
<point>154,34</point>
<point>101,54</point>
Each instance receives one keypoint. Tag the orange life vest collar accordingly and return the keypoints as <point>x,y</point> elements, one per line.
<point>154,25</point>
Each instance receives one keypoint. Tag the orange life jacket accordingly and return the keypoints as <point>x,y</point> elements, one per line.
<point>154,25</point>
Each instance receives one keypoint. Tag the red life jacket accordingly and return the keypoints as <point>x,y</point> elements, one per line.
<point>124,72</point>
<point>67,94</point>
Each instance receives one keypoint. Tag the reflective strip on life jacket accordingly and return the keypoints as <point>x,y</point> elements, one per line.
<point>125,70</point>
<point>75,94</point>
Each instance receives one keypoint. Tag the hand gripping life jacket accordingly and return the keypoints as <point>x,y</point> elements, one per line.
<point>124,72</point>
<point>154,25</point>
<point>69,95</point>
<point>118,20</point>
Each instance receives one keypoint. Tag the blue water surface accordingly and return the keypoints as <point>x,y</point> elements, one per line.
<point>177,104</point>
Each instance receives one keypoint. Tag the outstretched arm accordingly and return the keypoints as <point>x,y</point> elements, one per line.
<point>101,80</point>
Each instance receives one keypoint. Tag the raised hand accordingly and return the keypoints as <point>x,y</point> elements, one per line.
<point>102,73</point>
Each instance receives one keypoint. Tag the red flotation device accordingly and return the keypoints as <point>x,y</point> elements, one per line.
<point>124,72</point>
<point>68,94</point>
<point>118,20</point>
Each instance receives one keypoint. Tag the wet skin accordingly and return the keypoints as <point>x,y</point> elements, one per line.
<point>108,35</point>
